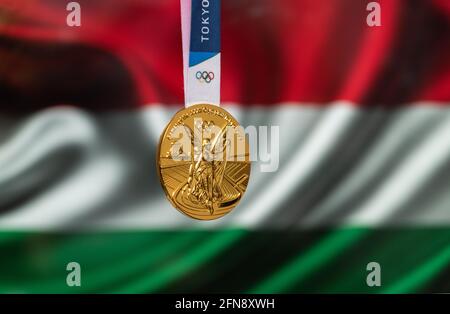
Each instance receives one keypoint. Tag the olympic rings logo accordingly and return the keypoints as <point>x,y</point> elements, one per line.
<point>205,77</point>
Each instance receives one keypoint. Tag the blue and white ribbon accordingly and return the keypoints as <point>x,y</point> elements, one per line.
<point>201,51</point>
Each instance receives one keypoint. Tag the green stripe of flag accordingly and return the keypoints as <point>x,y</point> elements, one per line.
<point>233,260</point>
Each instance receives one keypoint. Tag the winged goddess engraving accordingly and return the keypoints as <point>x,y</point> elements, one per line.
<point>207,168</point>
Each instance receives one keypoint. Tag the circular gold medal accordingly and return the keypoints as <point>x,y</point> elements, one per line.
<point>203,162</point>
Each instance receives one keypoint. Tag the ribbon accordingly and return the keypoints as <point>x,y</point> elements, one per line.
<point>200,26</point>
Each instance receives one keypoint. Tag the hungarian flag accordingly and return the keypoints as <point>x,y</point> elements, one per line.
<point>364,148</point>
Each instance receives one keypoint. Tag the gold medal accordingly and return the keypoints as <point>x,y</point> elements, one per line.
<point>203,162</point>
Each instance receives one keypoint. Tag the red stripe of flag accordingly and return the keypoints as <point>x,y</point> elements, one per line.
<point>273,52</point>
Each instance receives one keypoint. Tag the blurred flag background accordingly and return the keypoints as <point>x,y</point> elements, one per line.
<point>364,148</point>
